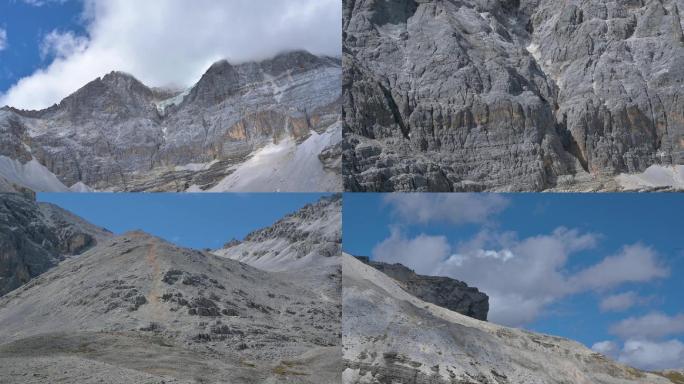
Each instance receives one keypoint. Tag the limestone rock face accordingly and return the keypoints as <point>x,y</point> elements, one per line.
<point>451,294</point>
<point>524,95</point>
<point>117,134</point>
<point>35,237</point>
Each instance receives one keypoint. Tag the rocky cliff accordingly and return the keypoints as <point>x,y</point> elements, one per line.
<point>522,95</point>
<point>35,237</point>
<point>391,336</point>
<point>451,294</point>
<point>117,134</point>
<point>138,309</point>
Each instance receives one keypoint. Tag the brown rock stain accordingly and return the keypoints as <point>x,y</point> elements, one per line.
<point>154,293</point>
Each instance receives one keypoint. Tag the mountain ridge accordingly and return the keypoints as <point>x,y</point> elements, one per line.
<point>117,134</point>
<point>136,307</point>
<point>140,303</point>
<point>443,291</point>
<point>310,236</point>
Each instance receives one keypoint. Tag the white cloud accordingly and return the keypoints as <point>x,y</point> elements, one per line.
<point>644,345</point>
<point>652,355</point>
<point>635,263</point>
<point>164,42</point>
<point>420,253</point>
<point>3,39</point>
<point>62,44</point>
<point>607,348</point>
<point>457,208</point>
<point>654,325</point>
<point>40,3</point>
<point>644,354</point>
<point>521,276</point>
<point>621,301</point>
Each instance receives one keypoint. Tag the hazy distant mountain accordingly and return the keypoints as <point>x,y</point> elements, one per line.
<point>269,125</point>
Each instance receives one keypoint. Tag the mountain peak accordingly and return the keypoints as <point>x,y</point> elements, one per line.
<point>118,75</point>
<point>220,64</point>
<point>295,61</point>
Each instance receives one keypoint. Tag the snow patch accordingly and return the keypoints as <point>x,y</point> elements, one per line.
<point>81,187</point>
<point>655,176</point>
<point>533,49</point>
<point>176,100</point>
<point>32,175</point>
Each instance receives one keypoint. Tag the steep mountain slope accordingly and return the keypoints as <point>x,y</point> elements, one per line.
<point>311,236</point>
<point>390,336</point>
<point>139,307</point>
<point>521,95</point>
<point>117,134</point>
<point>290,166</point>
<point>35,237</point>
<point>7,186</point>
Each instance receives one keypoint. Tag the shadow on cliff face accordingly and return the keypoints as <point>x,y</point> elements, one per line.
<point>392,11</point>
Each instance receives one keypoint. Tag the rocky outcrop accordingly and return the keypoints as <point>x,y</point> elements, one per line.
<point>391,336</point>
<point>117,134</point>
<point>7,186</point>
<point>308,237</point>
<point>451,294</point>
<point>139,303</point>
<point>35,237</point>
<point>525,95</point>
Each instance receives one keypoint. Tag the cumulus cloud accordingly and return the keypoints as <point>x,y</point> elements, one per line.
<point>606,347</point>
<point>635,263</point>
<point>62,44</point>
<point>621,301</point>
<point>455,208</point>
<point>645,344</point>
<point>644,354</point>
<point>521,276</point>
<point>165,42</point>
<point>422,252</point>
<point>3,39</point>
<point>654,325</point>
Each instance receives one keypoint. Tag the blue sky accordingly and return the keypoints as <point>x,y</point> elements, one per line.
<point>26,25</point>
<point>609,273</point>
<point>190,220</point>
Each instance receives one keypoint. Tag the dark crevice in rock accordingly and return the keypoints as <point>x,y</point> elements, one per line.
<point>395,112</point>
